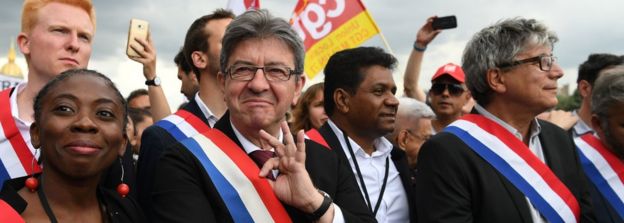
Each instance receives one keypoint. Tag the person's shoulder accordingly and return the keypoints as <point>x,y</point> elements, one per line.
<point>122,209</point>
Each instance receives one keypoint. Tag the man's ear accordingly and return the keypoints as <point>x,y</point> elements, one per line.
<point>299,83</point>
<point>584,89</point>
<point>496,80</point>
<point>34,135</point>
<point>341,98</point>
<point>402,139</point>
<point>200,60</point>
<point>23,42</point>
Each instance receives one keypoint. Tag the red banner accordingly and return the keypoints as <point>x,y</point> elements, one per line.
<point>328,26</point>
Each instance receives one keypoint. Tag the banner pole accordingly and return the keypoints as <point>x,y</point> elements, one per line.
<point>385,42</point>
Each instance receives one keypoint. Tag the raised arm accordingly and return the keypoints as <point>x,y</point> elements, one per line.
<point>158,101</point>
<point>412,72</point>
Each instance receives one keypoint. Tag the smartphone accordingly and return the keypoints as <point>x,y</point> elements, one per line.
<point>446,22</point>
<point>138,29</point>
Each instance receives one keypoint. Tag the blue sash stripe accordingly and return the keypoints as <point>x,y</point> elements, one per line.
<point>230,196</point>
<point>603,186</point>
<point>4,174</point>
<point>505,169</point>
<point>172,129</point>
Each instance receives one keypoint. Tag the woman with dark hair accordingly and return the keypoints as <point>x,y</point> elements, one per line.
<point>309,112</point>
<point>79,129</point>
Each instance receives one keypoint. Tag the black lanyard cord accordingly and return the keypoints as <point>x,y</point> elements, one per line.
<point>363,184</point>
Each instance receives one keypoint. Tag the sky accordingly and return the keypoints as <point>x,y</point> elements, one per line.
<point>583,27</point>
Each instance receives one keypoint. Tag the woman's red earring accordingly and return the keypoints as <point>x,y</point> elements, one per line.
<point>122,189</point>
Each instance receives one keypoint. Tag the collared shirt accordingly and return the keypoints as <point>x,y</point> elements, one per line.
<point>580,128</point>
<point>534,145</point>
<point>212,119</point>
<point>249,147</point>
<point>394,206</point>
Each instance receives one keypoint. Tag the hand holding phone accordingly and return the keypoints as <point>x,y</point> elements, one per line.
<point>138,29</point>
<point>446,22</point>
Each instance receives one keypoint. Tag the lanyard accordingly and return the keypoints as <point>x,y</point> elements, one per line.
<point>362,183</point>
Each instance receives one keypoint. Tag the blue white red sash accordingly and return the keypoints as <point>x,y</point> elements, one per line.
<point>8,214</point>
<point>15,155</point>
<point>248,197</point>
<point>604,169</point>
<point>316,136</point>
<point>513,159</point>
<point>183,124</point>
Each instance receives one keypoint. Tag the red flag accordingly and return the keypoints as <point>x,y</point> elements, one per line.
<point>330,26</point>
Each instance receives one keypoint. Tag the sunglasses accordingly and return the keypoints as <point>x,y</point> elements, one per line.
<point>453,89</point>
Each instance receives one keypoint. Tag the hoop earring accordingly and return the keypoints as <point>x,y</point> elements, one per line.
<point>32,183</point>
<point>122,189</point>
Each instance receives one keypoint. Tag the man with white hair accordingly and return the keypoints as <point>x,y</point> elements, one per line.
<point>412,128</point>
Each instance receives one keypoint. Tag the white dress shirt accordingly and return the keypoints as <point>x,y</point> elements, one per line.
<point>250,147</point>
<point>580,128</point>
<point>394,206</point>
<point>22,125</point>
<point>534,145</point>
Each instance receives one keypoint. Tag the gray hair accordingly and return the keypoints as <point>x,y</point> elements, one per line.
<point>409,110</point>
<point>608,90</point>
<point>260,24</point>
<point>499,44</point>
<point>409,107</point>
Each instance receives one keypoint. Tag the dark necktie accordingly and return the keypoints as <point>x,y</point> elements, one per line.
<point>260,157</point>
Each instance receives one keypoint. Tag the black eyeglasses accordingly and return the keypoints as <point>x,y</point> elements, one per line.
<point>545,62</point>
<point>248,72</point>
<point>453,89</point>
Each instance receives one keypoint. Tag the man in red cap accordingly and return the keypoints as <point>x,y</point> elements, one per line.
<point>448,94</point>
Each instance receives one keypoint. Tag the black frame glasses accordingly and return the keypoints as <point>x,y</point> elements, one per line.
<point>453,89</point>
<point>271,73</point>
<point>545,62</point>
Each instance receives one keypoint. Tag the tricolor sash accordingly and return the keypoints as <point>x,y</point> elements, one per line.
<point>604,169</point>
<point>183,124</point>
<point>513,159</point>
<point>248,197</point>
<point>8,214</point>
<point>316,136</point>
<point>15,155</point>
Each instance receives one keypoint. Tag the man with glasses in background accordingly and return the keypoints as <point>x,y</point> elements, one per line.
<point>500,163</point>
<point>447,95</point>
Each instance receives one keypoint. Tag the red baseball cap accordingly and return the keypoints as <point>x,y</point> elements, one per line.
<point>451,69</point>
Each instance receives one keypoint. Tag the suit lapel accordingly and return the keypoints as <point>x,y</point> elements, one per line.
<point>193,108</point>
<point>399,159</point>
<point>333,142</point>
<point>224,126</point>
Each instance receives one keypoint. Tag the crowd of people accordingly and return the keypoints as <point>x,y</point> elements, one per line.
<point>483,144</point>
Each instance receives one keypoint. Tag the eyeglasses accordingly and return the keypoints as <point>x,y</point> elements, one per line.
<point>545,62</point>
<point>453,89</point>
<point>421,137</point>
<point>272,73</point>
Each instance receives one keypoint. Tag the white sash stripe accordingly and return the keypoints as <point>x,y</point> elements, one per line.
<point>181,124</point>
<point>237,178</point>
<point>602,165</point>
<point>519,165</point>
<point>9,158</point>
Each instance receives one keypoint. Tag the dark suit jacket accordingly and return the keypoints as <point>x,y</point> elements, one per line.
<point>183,191</point>
<point>153,142</point>
<point>454,184</point>
<point>399,158</point>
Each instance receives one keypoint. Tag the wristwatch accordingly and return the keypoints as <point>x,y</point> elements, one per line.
<point>153,82</point>
<point>327,201</point>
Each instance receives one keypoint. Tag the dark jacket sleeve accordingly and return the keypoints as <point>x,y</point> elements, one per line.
<point>153,142</point>
<point>442,194</point>
<point>180,192</point>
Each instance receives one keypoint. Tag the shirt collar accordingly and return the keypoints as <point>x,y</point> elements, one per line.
<point>533,132</point>
<point>212,119</point>
<point>382,145</point>
<point>247,145</point>
<point>13,101</point>
<point>580,128</point>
